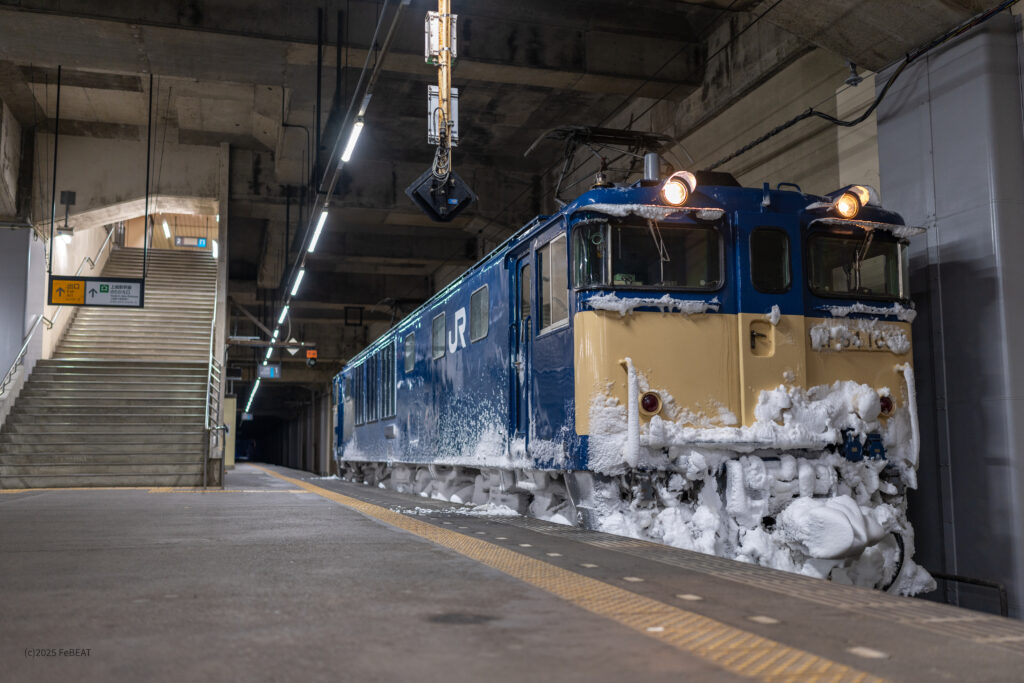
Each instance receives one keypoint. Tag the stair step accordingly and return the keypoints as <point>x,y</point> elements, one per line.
<point>105,427</point>
<point>101,480</point>
<point>179,456</point>
<point>98,449</point>
<point>93,468</point>
<point>137,415</point>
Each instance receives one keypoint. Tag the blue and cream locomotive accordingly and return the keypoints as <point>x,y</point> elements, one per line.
<point>721,368</point>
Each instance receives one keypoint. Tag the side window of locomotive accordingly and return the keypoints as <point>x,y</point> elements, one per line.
<point>769,260</point>
<point>372,393</point>
<point>437,337</point>
<point>554,287</point>
<point>871,265</point>
<point>410,352</point>
<point>589,247</point>
<point>387,380</point>
<point>479,312</point>
<point>525,287</point>
<point>358,395</point>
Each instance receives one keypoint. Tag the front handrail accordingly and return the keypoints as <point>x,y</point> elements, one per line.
<point>9,377</point>
<point>214,380</point>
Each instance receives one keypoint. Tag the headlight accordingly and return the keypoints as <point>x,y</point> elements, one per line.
<point>847,205</point>
<point>678,187</point>
<point>675,192</point>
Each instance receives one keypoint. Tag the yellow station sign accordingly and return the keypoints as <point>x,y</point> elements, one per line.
<point>67,292</point>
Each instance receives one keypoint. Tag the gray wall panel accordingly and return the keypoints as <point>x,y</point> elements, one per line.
<point>14,254</point>
<point>951,152</point>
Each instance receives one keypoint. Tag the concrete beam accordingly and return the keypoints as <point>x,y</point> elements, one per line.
<point>870,34</point>
<point>108,177</point>
<point>344,289</point>
<point>124,38</point>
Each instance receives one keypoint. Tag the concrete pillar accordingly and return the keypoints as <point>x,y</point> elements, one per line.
<point>22,273</point>
<point>951,155</point>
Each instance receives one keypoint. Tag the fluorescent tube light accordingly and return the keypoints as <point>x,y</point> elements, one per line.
<point>284,314</point>
<point>353,137</point>
<point>298,281</point>
<point>167,230</point>
<point>319,229</point>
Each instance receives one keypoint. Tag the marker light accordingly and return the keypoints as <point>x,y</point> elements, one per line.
<point>678,187</point>
<point>284,314</point>
<point>650,403</point>
<point>353,137</point>
<point>298,281</point>
<point>886,404</point>
<point>167,230</point>
<point>847,205</point>
<point>316,233</point>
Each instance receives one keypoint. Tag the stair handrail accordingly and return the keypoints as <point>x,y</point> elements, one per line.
<point>9,377</point>
<point>213,417</point>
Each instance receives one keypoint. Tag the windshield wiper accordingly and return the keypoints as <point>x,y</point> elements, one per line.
<point>659,244</point>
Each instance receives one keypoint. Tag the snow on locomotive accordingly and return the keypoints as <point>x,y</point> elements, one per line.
<point>718,368</point>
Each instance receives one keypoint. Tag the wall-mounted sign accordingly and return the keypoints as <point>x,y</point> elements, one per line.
<point>199,242</point>
<point>269,371</point>
<point>117,292</point>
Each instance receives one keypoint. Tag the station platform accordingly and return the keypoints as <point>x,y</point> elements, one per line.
<point>284,576</point>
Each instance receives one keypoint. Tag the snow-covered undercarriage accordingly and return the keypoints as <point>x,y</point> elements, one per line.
<point>780,493</point>
<point>819,515</point>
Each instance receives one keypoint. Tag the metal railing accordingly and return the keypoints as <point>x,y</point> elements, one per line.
<point>9,377</point>
<point>214,382</point>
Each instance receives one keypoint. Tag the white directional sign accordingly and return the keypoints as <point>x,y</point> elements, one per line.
<point>96,291</point>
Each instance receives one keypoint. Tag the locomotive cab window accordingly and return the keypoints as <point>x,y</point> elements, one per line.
<point>437,337</point>
<point>479,311</point>
<point>410,352</point>
<point>638,254</point>
<point>554,285</point>
<point>873,265</point>
<point>769,260</point>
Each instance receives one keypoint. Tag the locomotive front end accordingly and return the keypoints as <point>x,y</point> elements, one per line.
<point>743,375</point>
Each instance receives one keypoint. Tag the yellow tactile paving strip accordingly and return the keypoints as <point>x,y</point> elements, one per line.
<point>734,650</point>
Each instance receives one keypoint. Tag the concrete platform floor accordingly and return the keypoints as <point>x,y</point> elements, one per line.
<point>274,580</point>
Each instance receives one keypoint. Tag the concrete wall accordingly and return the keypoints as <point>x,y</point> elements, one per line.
<point>106,174</point>
<point>807,154</point>
<point>22,267</point>
<point>951,152</point>
<point>67,258</point>
<point>10,161</point>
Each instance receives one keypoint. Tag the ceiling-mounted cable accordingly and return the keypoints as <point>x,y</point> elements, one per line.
<point>962,28</point>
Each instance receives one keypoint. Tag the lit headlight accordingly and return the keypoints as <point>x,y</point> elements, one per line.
<point>847,205</point>
<point>678,187</point>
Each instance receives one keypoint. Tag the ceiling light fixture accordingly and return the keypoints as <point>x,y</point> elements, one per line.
<point>298,281</point>
<point>319,229</point>
<point>353,137</point>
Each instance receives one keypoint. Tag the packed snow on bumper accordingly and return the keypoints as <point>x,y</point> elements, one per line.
<point>774,493</point>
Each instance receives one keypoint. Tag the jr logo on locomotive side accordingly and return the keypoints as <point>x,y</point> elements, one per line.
<point>457,336</point>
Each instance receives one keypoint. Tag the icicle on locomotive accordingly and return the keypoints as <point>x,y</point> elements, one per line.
<point>719,368</point>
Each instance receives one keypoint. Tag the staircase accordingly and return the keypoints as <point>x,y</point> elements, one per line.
<point>122,402</point>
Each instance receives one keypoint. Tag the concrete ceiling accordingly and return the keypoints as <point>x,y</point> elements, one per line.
<point>235,70</point>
